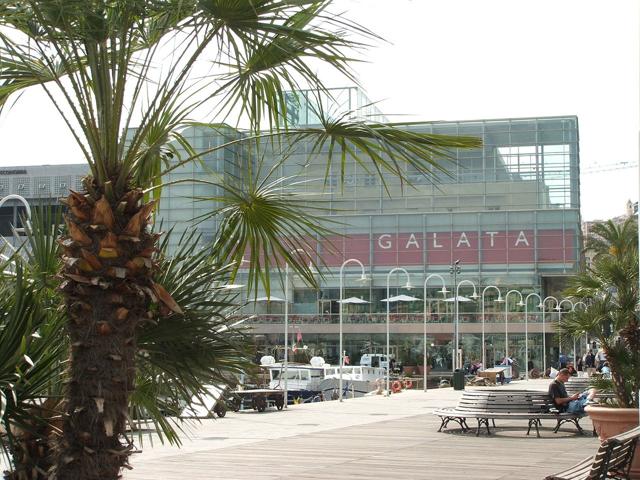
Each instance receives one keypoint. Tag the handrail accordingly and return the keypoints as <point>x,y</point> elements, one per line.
<point>395,318</point>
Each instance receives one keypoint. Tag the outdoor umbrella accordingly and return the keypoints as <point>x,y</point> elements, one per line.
<point>354,300</point>
<point>460,299</point>
<point>400,298</point>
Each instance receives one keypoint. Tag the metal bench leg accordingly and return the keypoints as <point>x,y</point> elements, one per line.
<point>459,420</point>
<point>445,420</point>
<point>535,422</point>
<point>463,424</point>
<point>481,422</point>
<point>577,422</point>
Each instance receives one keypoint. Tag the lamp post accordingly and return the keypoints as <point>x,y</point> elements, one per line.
<point>559,309</point>
<point>526,330</point>
<point>286,326</point>
<point>544,332</point>
<point>458,361</point>
<point>499,300</point>
<point>424,339</point>
<point>455,270</point>
<point>27,207</point>
<point>407,286</point>
<point>341,356</point>
<point>506,319</point>
<point>584,306</point>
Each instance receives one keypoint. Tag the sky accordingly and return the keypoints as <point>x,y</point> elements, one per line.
<point>466,60</point>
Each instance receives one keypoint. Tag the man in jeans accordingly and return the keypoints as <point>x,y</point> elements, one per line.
<point>565,403</point>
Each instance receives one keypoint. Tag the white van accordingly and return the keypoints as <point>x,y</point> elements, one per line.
<point>374,360</point>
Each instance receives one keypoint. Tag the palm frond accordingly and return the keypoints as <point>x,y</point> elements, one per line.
<point>180,355</point>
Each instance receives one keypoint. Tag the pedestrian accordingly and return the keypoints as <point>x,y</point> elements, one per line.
<point>590,363</point>
<point>601,358</point>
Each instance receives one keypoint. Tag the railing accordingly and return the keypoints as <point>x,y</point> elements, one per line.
<point>381,318</point>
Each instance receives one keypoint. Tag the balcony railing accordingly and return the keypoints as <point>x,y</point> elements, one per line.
<point>380,318</point>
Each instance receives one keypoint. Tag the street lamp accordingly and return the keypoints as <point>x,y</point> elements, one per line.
<point>526,330</point>
<point>458,361</point>
<point>407,286</point>
<point>584,306</point>
<point>424,339</point>
<point>341,355</point>
<point>286,325</point>
<point>499,300</point>
<point>27,207</point>
<point>559,310</point>
<point>544,332</point>
<point>506,319</point>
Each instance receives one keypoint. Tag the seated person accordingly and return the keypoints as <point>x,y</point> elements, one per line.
<point>606,370</point>
<point>475,366</point>
<point>565,403</point>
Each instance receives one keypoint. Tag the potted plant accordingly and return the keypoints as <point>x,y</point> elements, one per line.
<point>610,288</point>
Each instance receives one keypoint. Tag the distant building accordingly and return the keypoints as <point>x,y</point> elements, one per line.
<point>509,211</point>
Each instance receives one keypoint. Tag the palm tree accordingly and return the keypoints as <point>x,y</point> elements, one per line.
<point>107,66</point>
<point>610,287</point>
<point>32,348</point>
<point>178,358</point>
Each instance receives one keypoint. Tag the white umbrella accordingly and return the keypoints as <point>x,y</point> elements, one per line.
<point>400,298</point>
<point>460,299</point>
<point>269,299</point>
<point>355,300</point>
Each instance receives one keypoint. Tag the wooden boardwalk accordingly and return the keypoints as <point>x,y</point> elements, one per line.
<point>363,438</point>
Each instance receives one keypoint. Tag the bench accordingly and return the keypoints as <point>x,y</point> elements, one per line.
<point>577,385</point>
<point>613,460</point>
<point>580,384</point>
<point>484,405</point>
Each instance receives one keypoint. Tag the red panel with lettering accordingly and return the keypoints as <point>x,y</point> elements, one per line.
<point>385,249</point>
<point>410,248</point>
<point>438,248</point>
<point>493,247</point>
<point>520,246</point>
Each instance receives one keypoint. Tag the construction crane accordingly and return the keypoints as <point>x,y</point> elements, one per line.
<point>597,168</point>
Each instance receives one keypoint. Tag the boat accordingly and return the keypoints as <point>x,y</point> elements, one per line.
<point>302,380</point>
<point>357,381</point>
<point>318,381</point>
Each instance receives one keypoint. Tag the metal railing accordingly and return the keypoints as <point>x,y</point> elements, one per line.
<point>380,318</point>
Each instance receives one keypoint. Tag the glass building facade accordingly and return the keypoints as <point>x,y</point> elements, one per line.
<point>509,212</point>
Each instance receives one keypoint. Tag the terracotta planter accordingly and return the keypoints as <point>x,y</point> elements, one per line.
<point>612,421</point>
<point>421,369</point>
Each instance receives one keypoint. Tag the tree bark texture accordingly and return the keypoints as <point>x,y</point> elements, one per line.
<point>109,291</point>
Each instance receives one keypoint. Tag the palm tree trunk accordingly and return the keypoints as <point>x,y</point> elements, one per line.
<point>31,450</point>
<point>108,291</point>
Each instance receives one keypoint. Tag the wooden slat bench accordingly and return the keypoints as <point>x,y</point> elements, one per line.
<point>580,384</point>
<point>577,385</point>
<point>613,460</point>
<point>484,405</point>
